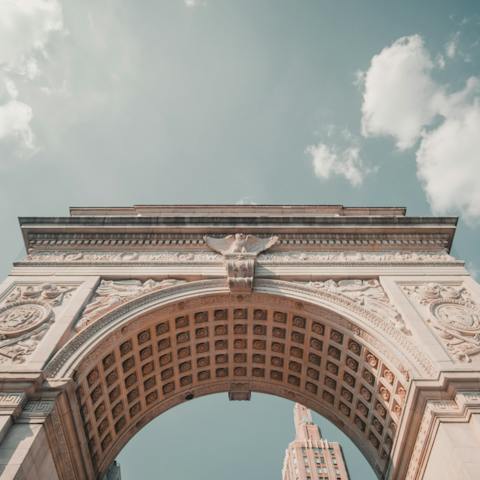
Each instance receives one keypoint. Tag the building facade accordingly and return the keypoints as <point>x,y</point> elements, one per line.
<point>309,456</point>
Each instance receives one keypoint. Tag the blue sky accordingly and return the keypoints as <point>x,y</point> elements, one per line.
<point>223,101</point>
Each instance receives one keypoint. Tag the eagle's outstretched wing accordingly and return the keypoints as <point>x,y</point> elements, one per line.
<point>240,244</point>
<point>257,245</point>
<point>220,245</point>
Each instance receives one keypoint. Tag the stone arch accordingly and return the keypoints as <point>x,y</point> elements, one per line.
<point>371,279</point>
<point>171,345</point>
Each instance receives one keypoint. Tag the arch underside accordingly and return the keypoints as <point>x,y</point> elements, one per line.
<point>161,357</point>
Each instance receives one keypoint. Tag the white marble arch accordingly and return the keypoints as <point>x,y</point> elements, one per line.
<point>400,359</point>
<point>116,315</point>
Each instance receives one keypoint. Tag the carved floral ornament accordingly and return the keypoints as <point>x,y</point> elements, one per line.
<point>452,314</point>
<point>25,316</point>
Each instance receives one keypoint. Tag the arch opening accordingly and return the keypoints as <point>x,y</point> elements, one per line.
<point>224,439</point>
<point>239,344</point>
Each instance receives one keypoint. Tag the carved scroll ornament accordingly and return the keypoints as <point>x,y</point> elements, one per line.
<point>240,252</point>
<point>453,314</point>
<point>25,316</point>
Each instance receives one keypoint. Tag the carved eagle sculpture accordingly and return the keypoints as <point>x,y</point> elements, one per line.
<point>240,244</point>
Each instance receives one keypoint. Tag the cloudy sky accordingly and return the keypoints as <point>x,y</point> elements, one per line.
<point>225,101</point>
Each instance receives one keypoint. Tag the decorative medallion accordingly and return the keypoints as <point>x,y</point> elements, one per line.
<point>452,313</point>
<point>25,316</point>
<point>456,315</point>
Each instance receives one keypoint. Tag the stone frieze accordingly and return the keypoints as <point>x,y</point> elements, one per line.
<point>190,257</point>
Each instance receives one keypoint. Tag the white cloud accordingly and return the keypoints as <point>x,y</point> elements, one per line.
<point>195,3</point>
<point>245,201</point>
<point>399,96</point>
<point>328,161</point>
<point>15,116</point>
<point>15,120</point>
<point>25,29</point>
<point>452,45</point>
<point>448,162</point>
<point>440,61</point>
<point>402,100</point>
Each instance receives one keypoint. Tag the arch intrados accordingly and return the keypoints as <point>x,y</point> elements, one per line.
<point>380,335</point>
<point>363,428</point>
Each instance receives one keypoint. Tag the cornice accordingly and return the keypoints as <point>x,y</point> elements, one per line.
<point>311,227</point>
<point>37,240</point>
<point>188,221</point>
<point>237,210</point>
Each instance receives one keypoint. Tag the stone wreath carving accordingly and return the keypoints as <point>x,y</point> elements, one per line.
<point>367,293</point>
<point>240,252</point>
<point>453,314</point>
<point>112,293</point>
<point>25,316</point>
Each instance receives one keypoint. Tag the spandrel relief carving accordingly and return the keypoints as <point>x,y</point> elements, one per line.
<point>25,315</point>
<point>452,314</point>
<point>367,293</point>
<point>112,293</point>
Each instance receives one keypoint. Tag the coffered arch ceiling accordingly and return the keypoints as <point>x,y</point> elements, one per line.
<point>173,345</point>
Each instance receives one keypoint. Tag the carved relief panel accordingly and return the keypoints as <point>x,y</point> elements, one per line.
<point>26,313</point>
<point>367,293</point>
<point>112,293</point>
<point>452,314</point>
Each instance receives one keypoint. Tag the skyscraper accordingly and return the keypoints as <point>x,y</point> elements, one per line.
<point>309,456</point>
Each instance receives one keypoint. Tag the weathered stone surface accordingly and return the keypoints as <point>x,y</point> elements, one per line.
<point>118,314</point>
